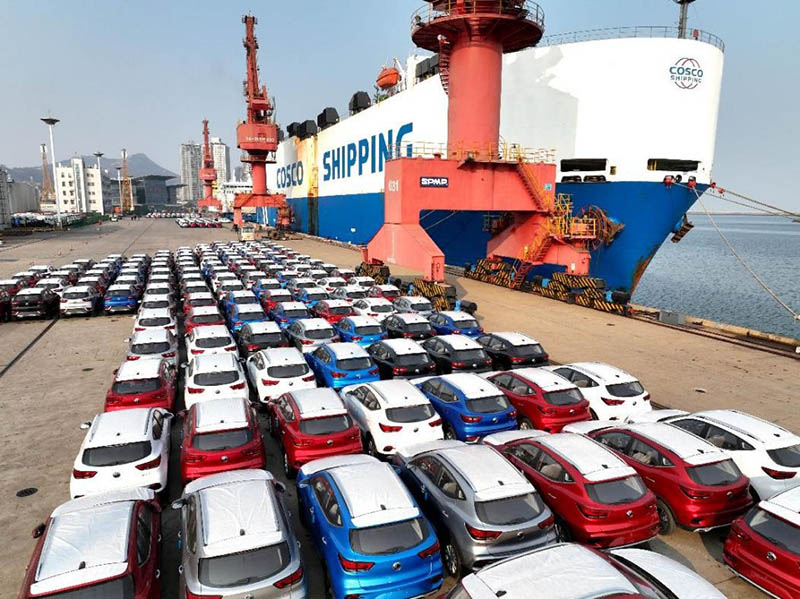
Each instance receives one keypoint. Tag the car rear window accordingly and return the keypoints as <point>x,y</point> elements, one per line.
<point>136,386</point>
<point>511,510</point>
<point>566,397</point>
<point>317,296</point>
<point>150,348</point>
<point>287,371</point>
<point>421,306</point>
<point>369,329</point>
<point>251,315</point>
<point>155,304</point>
<point>8,286</point>
<point>488,405</point>
<point>389,538</point>
<point>247,567</point>
<point>465,355</point>
<point>202,301</point>
<point>160,321</point>
<point>119,588</point>
<point>530,350</point>
<point>211,342</point>
<point>232,286</point>
<point>356,294</point>
<point>786,456</point>
<point>221,377</point>
<point>631,389</point>
<point>410,413</point>
<point>320,333</point>
<point>716,474</point>
<point>325,426</point>
<point>266,338</point>
<point>76,295</point>
<point>774,529</point>
<point>295,313</point>
<point>341,310</point>
<point>206,318</point>
<point>113,455</point>
<point>354,363</point>
<point>612,492</point>
<point>418,327</point>
<point>412,360</point>
<point>222,439</point>
<point>246,300</point>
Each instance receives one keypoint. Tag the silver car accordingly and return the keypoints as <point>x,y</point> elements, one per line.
<point>237,540</point>
<point>307,334</point>
<point>81,299</point>
<point>153,344</point>
<point>415,304</point>
<point>483,509</point>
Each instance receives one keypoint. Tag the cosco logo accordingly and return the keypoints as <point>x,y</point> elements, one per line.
<point>686,73</point>
<point>290,175</point>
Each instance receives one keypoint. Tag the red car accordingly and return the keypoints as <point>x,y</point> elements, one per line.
<point>68,560</point>
<point>27,278</point>
<point>599,500</point>
<point>543,399</point>
<point>202,316</point>
<point>697,485</point>
<point>272,297</point>
<point>10,286</point>
<point>220,435</point>
<point>334,310</point>
<point>142,384</point>
<point>312,424</point>
<point>763,546</point>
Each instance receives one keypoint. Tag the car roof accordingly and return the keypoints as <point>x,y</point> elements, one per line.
<point>265,326</point>
<point>459,341</point>
<point>155,313</point>
<point>241,293</point>
<point>376,301</point>
<point>212,362</point>
<point>489,474</point>
<point>768,433</point>
<point>363,321</point>
<point>312,324</point>
<point>563,571</point>
<point>78,289</point>
<point>336,303</point>
<point>605,373</point>
<point>457,315</point>
<point>30,291</point>
<point>690,448</point>
<point>138,369</point>
<point>387,287</point>
<point>515,338</point>
<point>279,292</point>
<point>50,280</point>
<point>292,305</point>
<point>584,427</point>
<point>397,393</point>
<point>347,350</point>
<point>150,336</point>
<point>412,318</point>
<point>590,458</point>
<point>547,380</point>
<point>403,347</point>
<point>220,414</point>
<point>70,557</point>
<point>471,385</point>
<point>214,330</point>
<point>117,287</point>
<point>252,308</point>
<point>318,402</point>
<point>204,310</point>
<point>785,505</point>
<point>119,427</point>
<point>282,355</point>
<point>504,437</point>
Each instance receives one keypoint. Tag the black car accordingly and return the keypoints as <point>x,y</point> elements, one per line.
<point>34,303</point>
<point>401,358</point>
<point>408,326</point>
<point>260,335</point>
<point>457,353</point>
<point>513,350</point>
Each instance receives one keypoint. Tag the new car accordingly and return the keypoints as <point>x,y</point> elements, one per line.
<point>371,534</point>
<point>264,283</point>
<point>80,300</point>
<point>455,323</point>
<point>343,273</point>
<point>331,283</point>
<point>224,286</point>
<point>401,358</point>
<point>409,326</point>
<point>340,364</point>
<point>192,287</point>
<point>309,333</point>
<point>242,297</point>
<point>271,297</point>
<point>375,307</point>
<point>158,301</point>
<point>54,284</point>
<point>155,318</point>
<point>240,315</point>
<point>212,339</point>
<point>310,296</point>
<point>297,284</point>
<point>513,350</point>
<point>349,292</point>
<point>153,344</point>
<point>363,330</point>
<point>255,336</point>
<point>388,292</point>
<point>362,281</point>
<point>214,376</point>
<point>26,278</point>
<point>285,313</point>
<point>334,310</point>
<point>482,508</point>
<point>11,286</point>
<point>120,298</point>
<point>198,299</point>
<point>273,372</point>
<point>142,384</point>
<point>31,302</point>
<point>413,304</point>
<point>453,353</point>
<point>203,316</point>
<point>123,449</point>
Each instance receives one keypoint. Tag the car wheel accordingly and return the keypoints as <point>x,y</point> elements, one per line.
<point>593,414</point>
<point>666,521</point>
<point>371,449</point>
<point>563,533</point>
<point>449,433</point>
<point>525,424</point>
<point>451,559</point>
<point>288,470</point>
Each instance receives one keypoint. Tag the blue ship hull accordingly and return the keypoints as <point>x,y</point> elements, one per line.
<point>649,210</point>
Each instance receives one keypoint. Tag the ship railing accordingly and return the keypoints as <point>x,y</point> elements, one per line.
<point>503,152</point>
<point>642,31</point>
<point>523,9</point>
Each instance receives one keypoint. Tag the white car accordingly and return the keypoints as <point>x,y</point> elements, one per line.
<point>54,284</point>
<point>378,308</point>
<point>158,289</point>
<point>153,344</point>
<point>214,377</point>
<point>391,414</point>
<point>413,304</point>
<point>331,283</point>
<point>155,318</point>
<point>123,449</point>
<point>365,282</point>
<point>655,416</point>
<point>158,301</point>
<point>349,292</point>
<point>766,453</point>
<point>613,394</point>
<point>81,299</point>
<point>275,371</point>
<point>209,340</point>
<point>226,285</point>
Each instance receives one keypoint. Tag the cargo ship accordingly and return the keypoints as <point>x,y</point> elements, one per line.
<point>621,112</point>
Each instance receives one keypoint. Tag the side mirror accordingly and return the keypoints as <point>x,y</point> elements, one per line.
<point>178,504</point>
<point>38,531</point>
<point>280,486</point>
<point>85,426</point>
<point>302,484</point>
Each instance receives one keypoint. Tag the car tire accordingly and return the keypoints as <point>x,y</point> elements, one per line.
<point>371,448</point>
<point>451,559</point>
<point>525,424</point>
<point>563,533</point>
<point>449,433</point>
<point>288,469</point>
<point>666,520</point>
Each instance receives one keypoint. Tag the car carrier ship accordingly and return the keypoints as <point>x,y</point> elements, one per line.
<point>621,112</point>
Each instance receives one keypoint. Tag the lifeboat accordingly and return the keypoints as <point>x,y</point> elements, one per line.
<point>388,77</point>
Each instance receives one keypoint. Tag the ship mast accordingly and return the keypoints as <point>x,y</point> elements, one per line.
<point>684,18</point>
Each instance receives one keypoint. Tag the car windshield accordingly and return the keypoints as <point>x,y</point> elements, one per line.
<point>287,371</point>
<point>76,295</point>
<point>774,529</point>
<point>487,405</point>
<point>418,327</point>
<point>563,398</point>
<point>113,455</point>
<point>120,292</point>
<point>389,538</point>
<point>210,342</point>
<point>612,492</point>
<point>119,588</point>
<point>196,288</point>
<point>247,567</point>
<point>412,360</point>
<point>206,318</point>
<point>136,386</point>
<point>160,321</point>
<point>156,347</point>
<point>465,355</point>
<point>714,475</point>
<point>361,363</point>
<point>266,338</point>
<point>511,510</point>
<point>631,389</point>
<point>340,310</point>
<point>202,301</point>
<point>410,413</point>
<point>528,351</point>
<point>221,377</point>
<point>155,304</point>
<point>786,456</point>
<point>369,329</point>
<point>222,439</point>
<point>325,333</point>
<point>325,426</point>
<point>246,300</point>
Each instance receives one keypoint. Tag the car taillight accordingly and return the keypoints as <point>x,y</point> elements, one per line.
<point>131,358</point>
<point>517,360</point>
<point>83,473</point>
<point>777,474</point>
<point>190,595</point>
<point>357,338</point>
<point>301,442</point>
<point>387,428</point>
<point>613,402</point>
<point>430,551</point>
<point>306,342</point>
<point>138,328</point>
<point>398,370</point>
<point>458,364</point>
<point>547,411</point>
<point>193,458</point>
<point>471,419</point>
<point>131,297</point>
<point>194,390</point>
<point>198,351</point>
<point>268,382</point>
<point>253,347</point>
<point>309,378</point>
<point>436,422</point>
<point>456,331</point>
<point>646,397</point>
<point>695,494</point>
<point>551,520</point>
<point>512,414</point>
<point>408,335</point>
<point>170,326</point>
<point>63,301</point>
<point>150,465</point>
<point>238,386</point>
<point>293,578</point>
<point>252,451</point>
<point>592,513</point>
<point>338,375</point>
<point>169,354</point>
<point>482,535</point>
<point>351,566</point>
<point>230,348</point>
<point>237,323</point>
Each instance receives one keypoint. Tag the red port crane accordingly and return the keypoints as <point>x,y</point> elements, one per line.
<point>208,175</point>
<point>258,137</point>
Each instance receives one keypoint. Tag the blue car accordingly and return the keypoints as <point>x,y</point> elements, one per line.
<point>455,323</point>
<point>285,313</point>
<point>375,541</point>
<point>120,298</point>
<point>363,330</point>
<point>261,285</point>
<point>340,364</point>
<point>310,296</point>
<point>241,315</point>
<point>238,297</point>
<point>470,406</point>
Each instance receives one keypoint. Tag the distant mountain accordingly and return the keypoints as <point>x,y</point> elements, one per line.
<point>138,165</point>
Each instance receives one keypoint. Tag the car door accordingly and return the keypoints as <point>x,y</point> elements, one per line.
<point>353,401</point>
<point>744,454</point>
<point>146,571</point>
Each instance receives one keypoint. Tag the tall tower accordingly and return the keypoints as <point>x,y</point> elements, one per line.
<point>126,189</point>
<point>207,174</point>
<point>684,18</point>
<point>48,191</point>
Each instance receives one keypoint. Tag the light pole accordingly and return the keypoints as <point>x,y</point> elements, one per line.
<point>50,121</point>
<point>98,155</point>
<point>119,187</point>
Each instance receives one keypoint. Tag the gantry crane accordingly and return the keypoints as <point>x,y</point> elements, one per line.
<point>208,175</point>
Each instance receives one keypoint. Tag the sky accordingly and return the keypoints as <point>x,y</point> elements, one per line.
<point>142,75</point>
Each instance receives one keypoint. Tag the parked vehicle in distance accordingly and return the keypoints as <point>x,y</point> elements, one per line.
<point>339,364</point>
<point>120,298</point>
<point>453,353</point>
<point>255,336</point>
<point>214,376</point>
<point>202,316</point>
<point>54,284</point>
<point>150,302</point>
<point>409,326</point>
<point>153,344</point>
<point>309,333</point>
<point>273,372</point>
<point>375,307</point>
<point>513,350</point>
<point>362,281</point>
<point>142,384</point>
<point>207,340</point>
<point>11,286</point>
<point>334,310</point>
<point>32,302</point>
<point>285,313</point>
<point>349,293</point>
<point>388,292</point>
<point>239,315</point>
<point>454,322</point>
<point>155,319</point>
<point>401,358</point>
<point>413,304</point>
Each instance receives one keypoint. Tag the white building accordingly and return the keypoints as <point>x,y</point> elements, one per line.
<point>190,159</point>
<point>226,192</point>
<point>5,201</point>
<point>81,188</point>
<point>221,154</point>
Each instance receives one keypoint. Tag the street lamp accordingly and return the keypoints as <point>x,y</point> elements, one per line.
<point>50,121</point>
<point>98,155</point>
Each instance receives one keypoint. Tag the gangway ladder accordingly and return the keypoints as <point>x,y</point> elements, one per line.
<point>521,270</point>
